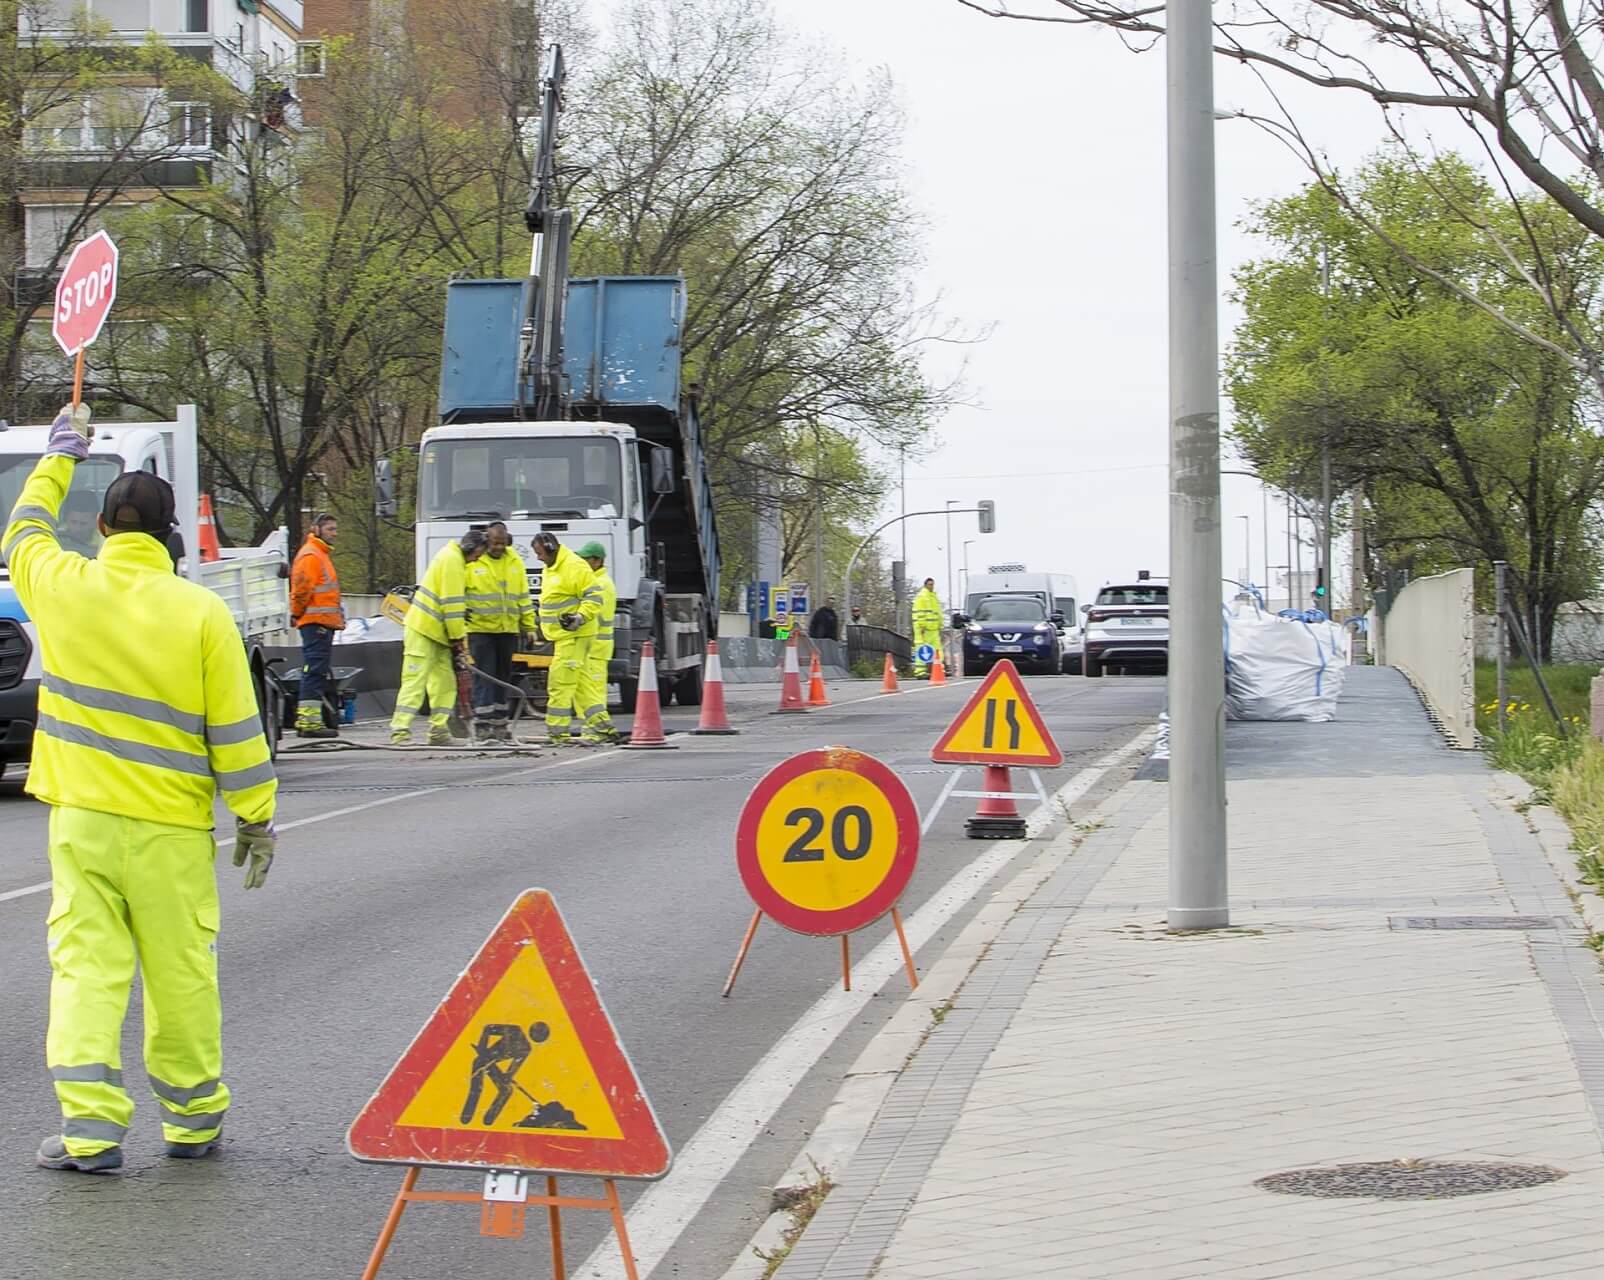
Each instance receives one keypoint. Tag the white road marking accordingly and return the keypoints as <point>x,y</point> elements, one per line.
<point>23,893</point>
<point>666,1208</point>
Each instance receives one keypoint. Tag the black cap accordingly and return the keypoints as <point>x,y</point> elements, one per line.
<point>138,502</point>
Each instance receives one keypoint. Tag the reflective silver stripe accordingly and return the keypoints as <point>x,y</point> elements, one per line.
<point>182,1097</point>
<point>137,752</point>
<point>320,613</point>
<point>408,711</point>
<point>208,1120</point>
<point>32,512</point>
<point>424,591</point>
<point>86,1130</point>
<point>88,1073</point>
<point>239,779</point>
<point>419,605</point>
<point>231,735</point>
<point>88,695</point>
<point>590,712</point>
<point>26,532</point>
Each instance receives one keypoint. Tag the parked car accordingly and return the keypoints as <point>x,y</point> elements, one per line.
<point>1128,625</point>
<point>1019,627</point>
<point>1055,590</point>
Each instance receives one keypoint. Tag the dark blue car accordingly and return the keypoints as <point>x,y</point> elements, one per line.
<point>1014,627</point>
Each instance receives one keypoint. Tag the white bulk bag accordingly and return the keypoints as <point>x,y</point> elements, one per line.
<point>1282,668</point>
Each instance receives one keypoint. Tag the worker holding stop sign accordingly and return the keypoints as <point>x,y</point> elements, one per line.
<point>84,295</point>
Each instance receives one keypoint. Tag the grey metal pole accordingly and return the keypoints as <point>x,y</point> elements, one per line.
<point>1325,529</point>
<point>1264,527</point>
<point>1197,891</point>
<point>1500,639</point>
<point>950,501</point>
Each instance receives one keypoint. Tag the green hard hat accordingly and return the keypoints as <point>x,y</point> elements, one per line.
<point>593,550</point>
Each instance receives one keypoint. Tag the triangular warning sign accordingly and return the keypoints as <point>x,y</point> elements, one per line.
<point>998,725</point>
<point>519,1068</point>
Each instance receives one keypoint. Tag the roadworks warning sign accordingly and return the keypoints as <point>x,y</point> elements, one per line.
<point>999,725</point>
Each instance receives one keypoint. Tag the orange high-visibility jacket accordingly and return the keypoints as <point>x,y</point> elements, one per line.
<point>315,587</point>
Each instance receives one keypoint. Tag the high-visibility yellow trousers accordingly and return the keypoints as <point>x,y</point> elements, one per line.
<point>124,888</point>
<point>426,671</point>
<point>595,714</point>
<point>925,635</point>
<point>570,684</point>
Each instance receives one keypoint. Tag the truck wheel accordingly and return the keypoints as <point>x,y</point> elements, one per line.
<point>267,706</point>
<point>1091,667</point>
<point>1071,664</point>
<point>688,688</point>
<point>627,690</point>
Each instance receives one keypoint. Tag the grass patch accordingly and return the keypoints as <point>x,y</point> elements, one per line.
<point>801,1203</point>
<point>1569,682</point>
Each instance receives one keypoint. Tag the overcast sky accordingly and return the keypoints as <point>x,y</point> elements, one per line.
<point>1038,154</point>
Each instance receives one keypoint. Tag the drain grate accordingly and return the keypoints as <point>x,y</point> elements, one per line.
<point>1471,922</point>
<point>1408,1179</point>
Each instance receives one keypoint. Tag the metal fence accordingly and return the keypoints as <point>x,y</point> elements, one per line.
<point>872,643</point>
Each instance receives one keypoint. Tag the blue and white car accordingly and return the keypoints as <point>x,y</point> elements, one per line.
<point>1017,627</point>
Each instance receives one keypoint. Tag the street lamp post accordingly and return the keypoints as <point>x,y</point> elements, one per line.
<point>1247,549</point>
<point>952,604</point>
<point>1197,846</point>
<point>951,502</point>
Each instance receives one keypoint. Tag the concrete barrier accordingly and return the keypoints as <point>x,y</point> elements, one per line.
<point>1430,635</point>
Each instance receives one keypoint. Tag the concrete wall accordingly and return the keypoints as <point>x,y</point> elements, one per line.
<point>1430,635</point>
<point>1578,634</point>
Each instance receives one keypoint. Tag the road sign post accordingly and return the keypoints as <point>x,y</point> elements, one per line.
<point>998,728</point>
<point>825,845</point>
<point>84,294</point>
<point>518,1071</point>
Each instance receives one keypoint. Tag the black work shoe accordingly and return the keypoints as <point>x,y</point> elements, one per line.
<point>53,1154</point>
<point>192,1150</point>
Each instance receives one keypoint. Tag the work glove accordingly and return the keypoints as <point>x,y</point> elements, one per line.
<point>570,621</point>
<point>71,433</point>
<point>256,841</point>
<point>459,656</point>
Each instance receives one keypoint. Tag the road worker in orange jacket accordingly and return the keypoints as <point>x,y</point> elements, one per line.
<point>317,612</point>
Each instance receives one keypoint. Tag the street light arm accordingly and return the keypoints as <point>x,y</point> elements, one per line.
<point>846,591</point>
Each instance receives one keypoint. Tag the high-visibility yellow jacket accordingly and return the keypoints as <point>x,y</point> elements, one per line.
<point>146,706</point>
<point>568,586</point>
<point>498,594</point>
<point>927,611</point>
<point>603,583</point>
<point>439,606</point>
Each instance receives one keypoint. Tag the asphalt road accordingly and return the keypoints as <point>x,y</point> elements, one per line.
<point>331,969</point>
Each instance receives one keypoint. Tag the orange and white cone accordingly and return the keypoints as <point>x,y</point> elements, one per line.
<point>996,817</point>
<point>889,683</point>
<point>938,669</point>
<point>714,718</point>
<point>206,524</point>
<point>791,682</point>
<point>817,697</point>
<point>648,728</point>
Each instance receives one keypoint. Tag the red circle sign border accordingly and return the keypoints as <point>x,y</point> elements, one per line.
<point>864,912</point>
<point>99,244</point>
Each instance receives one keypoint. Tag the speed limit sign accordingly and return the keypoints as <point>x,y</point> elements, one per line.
<point>827,841</point>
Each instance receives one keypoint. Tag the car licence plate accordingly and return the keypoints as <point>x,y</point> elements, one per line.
<point>1135,622</point>
<point>1008,648</point>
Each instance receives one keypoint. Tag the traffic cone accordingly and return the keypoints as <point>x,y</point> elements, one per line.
<point>791,682</point>
<point>889,684</point>
<point>713,718</point>
<point>996,819</point>
<point>210,548</point>
<point>648,728</point>
<point>817,697</point>
<point>938,670</point>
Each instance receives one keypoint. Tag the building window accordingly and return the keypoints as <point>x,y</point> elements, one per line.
<point>124,15</point>
<point>190,125</point>
<point>197,15</point>
<point>309,58</point>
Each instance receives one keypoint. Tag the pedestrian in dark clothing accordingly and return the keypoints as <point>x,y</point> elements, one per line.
<point>824,624</point>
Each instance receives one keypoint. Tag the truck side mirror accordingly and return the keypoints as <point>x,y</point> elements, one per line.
<point>384,502</point>
<point>661,467</point>
<point>959,621</point>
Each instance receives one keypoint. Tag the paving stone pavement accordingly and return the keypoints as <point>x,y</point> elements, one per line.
<point>1103,1094</point>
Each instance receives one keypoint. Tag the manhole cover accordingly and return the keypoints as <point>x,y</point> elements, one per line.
<point>1471,922</point>
<point>1408,1179</point>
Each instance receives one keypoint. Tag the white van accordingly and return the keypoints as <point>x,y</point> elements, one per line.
<point>1055,590</point>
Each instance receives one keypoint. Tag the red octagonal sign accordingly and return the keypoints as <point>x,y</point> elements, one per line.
<point>84,296</point>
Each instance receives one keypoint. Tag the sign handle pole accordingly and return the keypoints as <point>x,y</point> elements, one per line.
<point>623,1233</point>
<point>387,1233</point>
<point>907,955</point>
<point>846,962</point>
<point>559,1268</point>
<point>78,379</point>
<point>746,945</point>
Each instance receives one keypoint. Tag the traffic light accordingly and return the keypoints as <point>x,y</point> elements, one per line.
<point>1320,585</point>
<point>988,515</point>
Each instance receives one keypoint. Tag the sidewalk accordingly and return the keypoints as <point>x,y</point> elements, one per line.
<point>1102,1096</point>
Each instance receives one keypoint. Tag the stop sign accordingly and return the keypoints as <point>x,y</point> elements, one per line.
<point>85,293</point>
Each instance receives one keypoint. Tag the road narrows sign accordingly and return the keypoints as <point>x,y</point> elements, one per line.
<point>999,725</point>
<point>827,841</point>
<point>84,294</point>
<point>519,1068</point>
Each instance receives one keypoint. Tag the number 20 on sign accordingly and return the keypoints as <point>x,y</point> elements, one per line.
<point>826,844</point>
